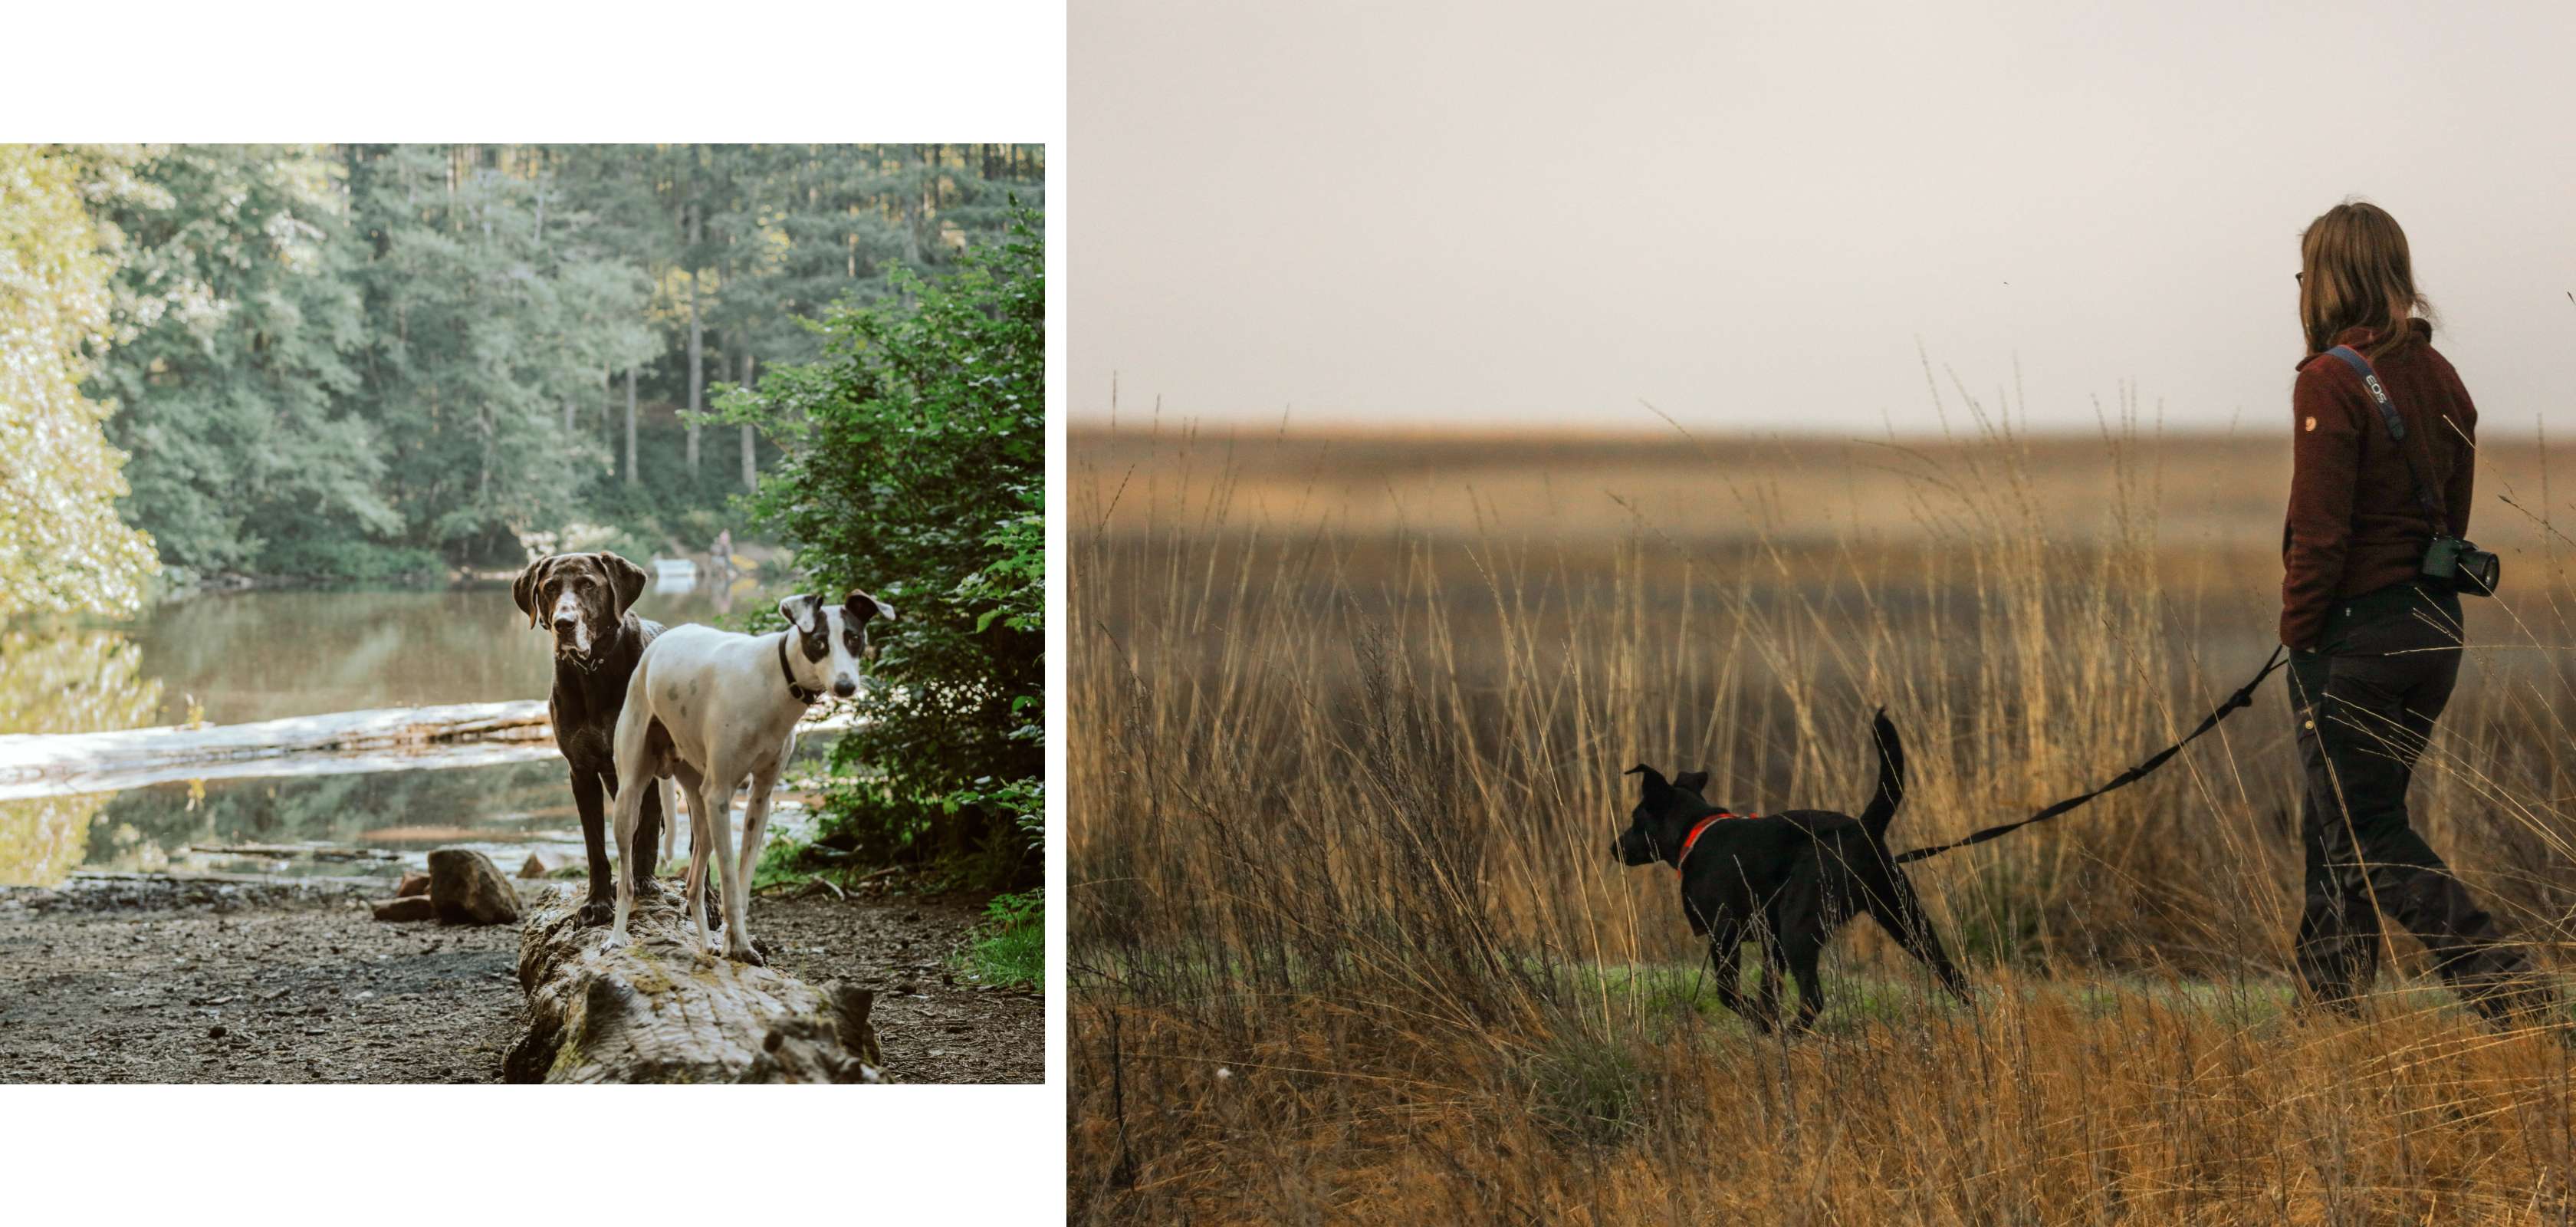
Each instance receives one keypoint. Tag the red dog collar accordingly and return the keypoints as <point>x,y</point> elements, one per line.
<point>1693,837</point>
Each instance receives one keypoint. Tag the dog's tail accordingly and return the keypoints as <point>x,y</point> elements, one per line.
<point>1891,778</point>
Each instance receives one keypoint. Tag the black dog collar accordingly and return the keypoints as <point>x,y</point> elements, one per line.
<point>804,696</point>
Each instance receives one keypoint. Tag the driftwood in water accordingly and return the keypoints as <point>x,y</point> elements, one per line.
<point>657,1010</point>
<point>319,852</point>
<point>47,764</point>
<point>386,739</point>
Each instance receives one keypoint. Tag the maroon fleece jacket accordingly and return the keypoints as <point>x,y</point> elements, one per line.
<point>2354,524</point>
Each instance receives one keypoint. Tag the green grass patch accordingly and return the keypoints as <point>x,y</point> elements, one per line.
<point>1857,999</point>
<point>1009,947</point>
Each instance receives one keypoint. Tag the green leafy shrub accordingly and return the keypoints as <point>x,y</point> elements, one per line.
<point>340,558</point>
<point>914,468</point>
<point>62,547</point>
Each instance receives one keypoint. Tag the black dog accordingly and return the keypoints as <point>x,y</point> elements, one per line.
<point>583,599</point>
<point>1788,879</point>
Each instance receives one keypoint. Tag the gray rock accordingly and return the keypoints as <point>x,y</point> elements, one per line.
<point>469,889</point>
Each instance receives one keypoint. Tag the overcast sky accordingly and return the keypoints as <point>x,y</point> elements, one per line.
<point>1750,214</point>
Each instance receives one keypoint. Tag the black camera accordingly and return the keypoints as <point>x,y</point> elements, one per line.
<point>2460,566</point>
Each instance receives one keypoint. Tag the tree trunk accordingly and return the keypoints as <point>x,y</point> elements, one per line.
<point>750,465</point>
<point>911,210</point>
<point>697,344</point>
<point>657,1011</point>
<point>630,423</point>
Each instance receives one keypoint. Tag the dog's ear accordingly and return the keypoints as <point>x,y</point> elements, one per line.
<point>861,607</point>
<point>1692,781</point>
<point>524,589</point>
<point>625,577</point>
<point>802,612</point>
<point>1654,779</point>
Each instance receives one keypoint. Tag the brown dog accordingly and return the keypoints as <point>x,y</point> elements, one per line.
<point>586,602</point>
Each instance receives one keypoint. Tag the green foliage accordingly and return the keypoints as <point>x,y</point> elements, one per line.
<point>62,547</point>
<point>1010,946</point>
<point>239,330</point>
<point>351,559</point>
<point>669,509</point>
<point>914,466</point>
<point>329,359</point>
<point>490,314</point>
<point>781,862</point>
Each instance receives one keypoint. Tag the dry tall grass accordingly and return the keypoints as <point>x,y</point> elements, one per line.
<point>1348,944</point>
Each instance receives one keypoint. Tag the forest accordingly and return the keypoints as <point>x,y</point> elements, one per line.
<point>365,362</point>
<point>225,365</point>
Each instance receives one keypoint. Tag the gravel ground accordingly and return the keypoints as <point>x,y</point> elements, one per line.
<point>161,980</point>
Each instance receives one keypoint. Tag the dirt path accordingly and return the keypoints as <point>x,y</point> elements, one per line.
<point>191,981</point>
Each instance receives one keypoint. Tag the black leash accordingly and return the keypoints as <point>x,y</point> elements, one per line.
<point>2243,697</point>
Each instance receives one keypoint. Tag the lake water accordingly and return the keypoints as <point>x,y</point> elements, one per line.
<point>238,657</point>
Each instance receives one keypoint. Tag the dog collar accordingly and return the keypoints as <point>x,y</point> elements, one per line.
<point>1692,838</point>
<point>807,697</point>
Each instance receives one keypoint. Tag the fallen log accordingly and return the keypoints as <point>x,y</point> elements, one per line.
<point>36,765</point>
<point>658,1010</point>
<point>47,764</point>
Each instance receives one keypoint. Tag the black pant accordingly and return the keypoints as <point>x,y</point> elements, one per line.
<point>2365,701</point>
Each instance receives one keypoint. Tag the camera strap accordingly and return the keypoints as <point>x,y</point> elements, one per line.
<point>2434,517</point>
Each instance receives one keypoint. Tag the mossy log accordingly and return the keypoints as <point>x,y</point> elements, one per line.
<point>657,1010</point>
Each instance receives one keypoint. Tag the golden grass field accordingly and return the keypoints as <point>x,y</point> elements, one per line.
<point>1348,944</point>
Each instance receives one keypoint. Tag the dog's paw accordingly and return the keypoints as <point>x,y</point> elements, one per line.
<point>597,912</point>
<point>749,954</point>
<point>650,888</point>
<point>615,941</point>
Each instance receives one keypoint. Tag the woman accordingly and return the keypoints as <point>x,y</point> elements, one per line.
<point>2374,651</point>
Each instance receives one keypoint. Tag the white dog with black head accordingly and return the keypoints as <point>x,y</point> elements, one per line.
<point>712,709</point>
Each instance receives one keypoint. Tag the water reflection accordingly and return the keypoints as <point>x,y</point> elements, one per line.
<point>376,823</point>
<point>238,657</point>
<point>262,655</point>
<point>68,680</point>
<point>200,826</point>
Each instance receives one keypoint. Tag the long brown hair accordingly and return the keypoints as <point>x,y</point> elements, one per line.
<point>2354,272</point>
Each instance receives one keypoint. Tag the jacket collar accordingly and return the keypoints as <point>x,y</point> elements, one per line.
<point>2363,338</point>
